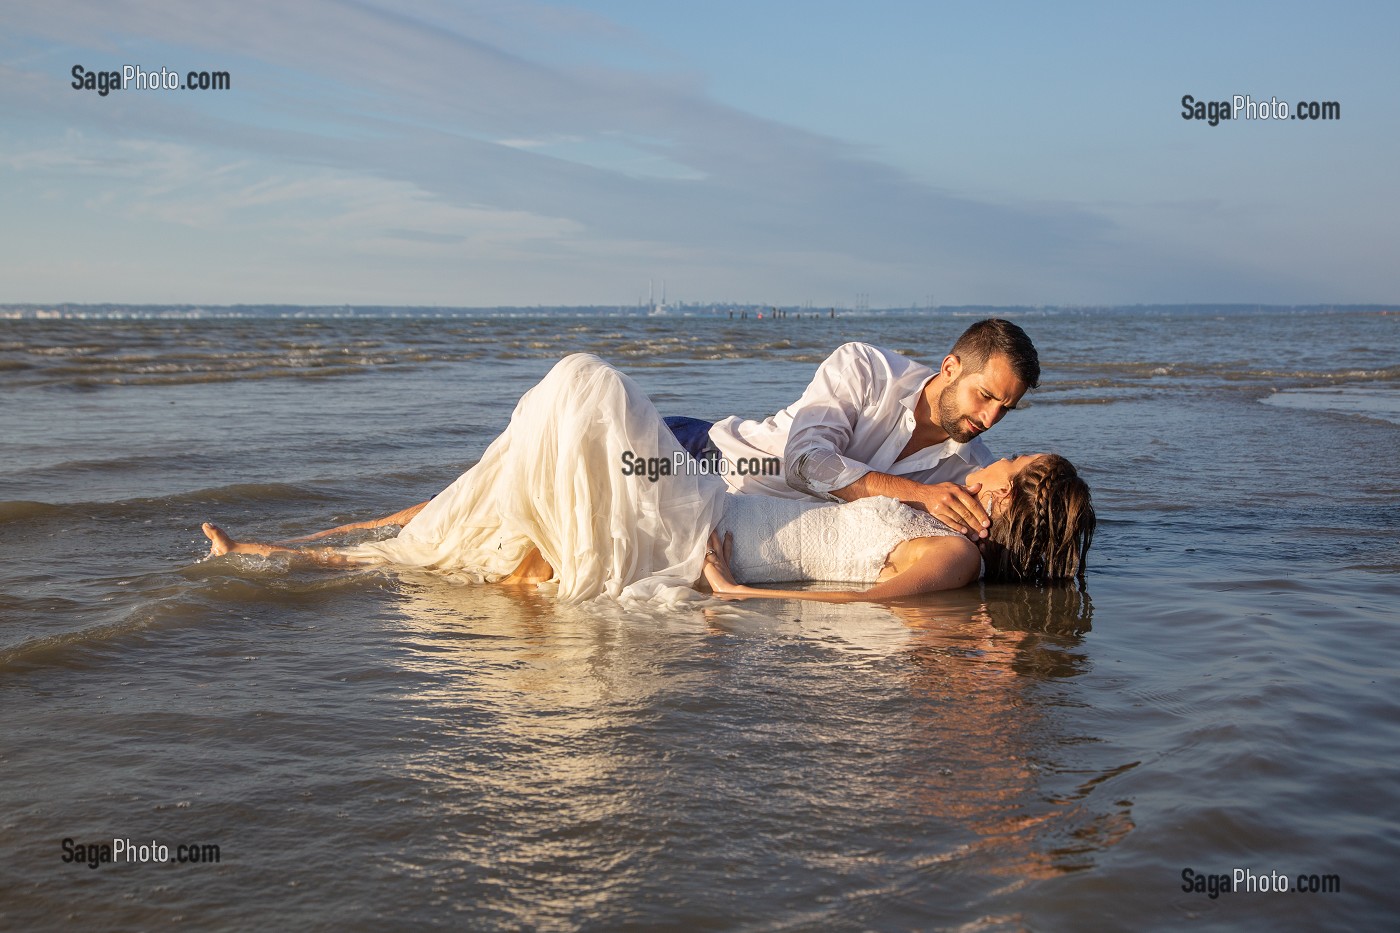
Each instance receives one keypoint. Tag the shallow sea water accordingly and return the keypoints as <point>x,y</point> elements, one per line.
<point>371,751</point>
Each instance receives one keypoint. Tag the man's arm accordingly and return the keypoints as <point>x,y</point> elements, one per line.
<point>954,505</point>
<point>824,421</point>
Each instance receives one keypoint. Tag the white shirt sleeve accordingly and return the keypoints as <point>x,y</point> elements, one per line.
<point>824,421</point>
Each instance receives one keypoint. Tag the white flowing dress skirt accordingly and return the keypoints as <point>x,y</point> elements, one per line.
<point>554,479</point>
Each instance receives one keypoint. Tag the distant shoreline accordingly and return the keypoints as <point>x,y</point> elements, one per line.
<point>65,310</point>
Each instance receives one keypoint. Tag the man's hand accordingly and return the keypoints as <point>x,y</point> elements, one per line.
<point>955,506</point>
<point>952,504</point>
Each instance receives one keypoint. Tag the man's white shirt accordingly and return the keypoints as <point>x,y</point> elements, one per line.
<point>856,416</point>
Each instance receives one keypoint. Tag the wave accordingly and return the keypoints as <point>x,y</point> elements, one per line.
<point>123,351</point>
<point>1225,370</point>
<point>166,605</point>
<point>1390,568</point>
<point>431,478</point>
<point>129,464</point>
<point>23,374</point>
<point>1367,401</point>
<point>22,510</point>
<point>58,650</point>
<point>237,493</point>
<point>1050,400</point>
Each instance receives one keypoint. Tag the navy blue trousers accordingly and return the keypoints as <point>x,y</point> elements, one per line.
<point>694,435</point>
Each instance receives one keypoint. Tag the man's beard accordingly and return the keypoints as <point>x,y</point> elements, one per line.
<point>953,422</point>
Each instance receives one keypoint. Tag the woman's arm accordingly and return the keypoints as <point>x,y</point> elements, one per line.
<point>933,564</point>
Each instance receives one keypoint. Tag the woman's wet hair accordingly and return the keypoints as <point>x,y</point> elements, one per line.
<point>1045,530</point>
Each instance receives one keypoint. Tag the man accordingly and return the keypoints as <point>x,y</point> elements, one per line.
<point>875,423</point>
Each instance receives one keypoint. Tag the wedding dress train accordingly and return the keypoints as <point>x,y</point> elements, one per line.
<point>555,479</point>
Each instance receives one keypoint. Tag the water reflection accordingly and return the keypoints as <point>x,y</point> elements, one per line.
<point>1064,609</point>
<point>582,760</point>
<point>543,777</point>
<point>1007,760</point>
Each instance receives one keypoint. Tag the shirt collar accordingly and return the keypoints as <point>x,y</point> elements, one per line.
<point>974,452</point>
<point>911,401</point>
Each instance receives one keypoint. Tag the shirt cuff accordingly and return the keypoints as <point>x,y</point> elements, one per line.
<point>818,472</point>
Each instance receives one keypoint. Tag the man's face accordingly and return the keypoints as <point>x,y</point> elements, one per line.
<point>972,402</point>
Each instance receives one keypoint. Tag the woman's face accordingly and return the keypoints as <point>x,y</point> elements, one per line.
<point>999,475</point>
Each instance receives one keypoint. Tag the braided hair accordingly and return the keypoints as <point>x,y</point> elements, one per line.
<point>1046,529</point>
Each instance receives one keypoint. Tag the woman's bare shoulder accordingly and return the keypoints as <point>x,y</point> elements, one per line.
<point>953,549</point>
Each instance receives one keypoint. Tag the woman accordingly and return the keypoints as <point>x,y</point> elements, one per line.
<point>559,496</point>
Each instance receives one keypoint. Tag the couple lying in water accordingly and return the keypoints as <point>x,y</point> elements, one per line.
<point>552,500</point>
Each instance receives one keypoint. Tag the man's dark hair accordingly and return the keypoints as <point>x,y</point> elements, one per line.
<point>987,338</point>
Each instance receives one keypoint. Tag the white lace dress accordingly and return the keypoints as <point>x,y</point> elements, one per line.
<point>787,540</point>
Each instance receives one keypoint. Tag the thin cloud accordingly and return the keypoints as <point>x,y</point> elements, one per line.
<point>426,124</point>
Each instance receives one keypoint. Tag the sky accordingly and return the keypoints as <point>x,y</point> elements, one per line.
<point>509,152</point>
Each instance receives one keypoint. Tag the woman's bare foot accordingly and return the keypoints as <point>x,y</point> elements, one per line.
<point>533,568</point>
<point>220,544</point>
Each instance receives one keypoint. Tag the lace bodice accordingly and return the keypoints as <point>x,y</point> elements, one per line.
<point>784,540</point>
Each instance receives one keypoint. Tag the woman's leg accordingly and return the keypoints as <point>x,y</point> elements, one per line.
<point>533,568</point>
<point>220,544</point>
